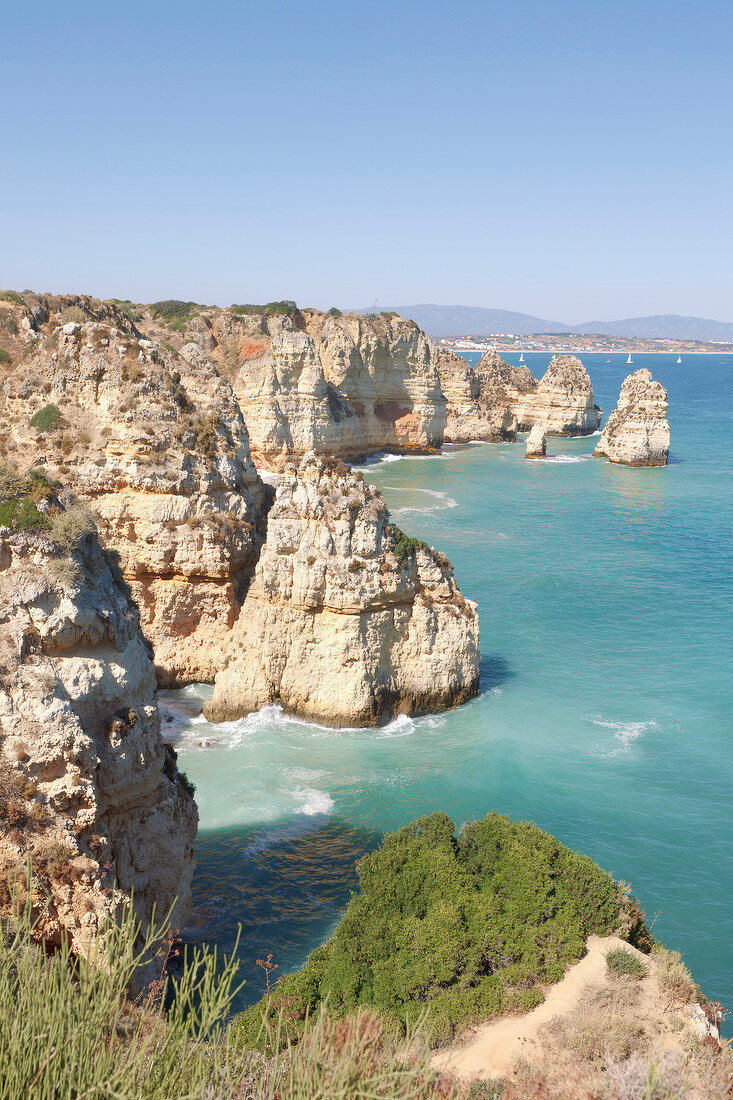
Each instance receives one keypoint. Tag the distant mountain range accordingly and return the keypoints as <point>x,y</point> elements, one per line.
<point>474,321</point>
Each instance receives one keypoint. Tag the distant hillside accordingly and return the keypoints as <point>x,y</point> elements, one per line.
<point>456,320</point>
<point>669,325</point>
<point>475,321</point>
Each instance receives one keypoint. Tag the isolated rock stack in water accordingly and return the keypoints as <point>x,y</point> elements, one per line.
<point>562,401</point>
<point>637,431</point>
<point>87,787</point>
<point>479,402</point>
<point>536,446</point>
<point>154,440</point>
<point>347,621</point>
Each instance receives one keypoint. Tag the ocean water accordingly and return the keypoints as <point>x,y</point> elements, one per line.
<point>606,710</point>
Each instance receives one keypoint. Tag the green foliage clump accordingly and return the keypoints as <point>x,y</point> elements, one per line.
<point>334,312</point>
<point>5,358</point>
<point>69,527</point>
<point>623,964</point>
<point>11,296</point>
<point>460,928</point>
<point>405,546</point>
<point>19,495</point>
<point>48,419</point>
<point>174,313</point>
<point>186,783</point>
<point>287,307</point>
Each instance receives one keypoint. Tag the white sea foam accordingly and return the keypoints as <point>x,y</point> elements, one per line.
<point>312,802</point>
<point>443,500</point>
<point>624,733</point>
<point>567,458</point>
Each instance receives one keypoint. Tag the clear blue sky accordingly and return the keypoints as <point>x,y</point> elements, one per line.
<point>571,160</point>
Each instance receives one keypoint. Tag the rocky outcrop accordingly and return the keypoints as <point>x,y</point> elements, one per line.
<point>344,386</point>
<point>347,622</point>
<point>155,442</point>
<point>536,445</point>
<point>637,431</point>
<point>562,401</point>
<point>88,790</point>
<point>477,407</point>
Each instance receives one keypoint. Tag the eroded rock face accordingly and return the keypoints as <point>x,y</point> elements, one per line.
<point>347,622</point>
<point>88,788</point>
<point>637,431</point>
<point>344,386</point>
<point>155,442</point>
<point>562,401</point>
<point>536,445</point>
<point>478,408</point>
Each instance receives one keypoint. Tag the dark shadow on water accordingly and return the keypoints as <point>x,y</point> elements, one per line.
<point>287,884</point>
<point>493,671</point>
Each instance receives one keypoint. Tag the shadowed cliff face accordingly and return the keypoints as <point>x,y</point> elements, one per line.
<point>88,789</point>
<point>347,622</point>
<point>637,431</point>
<point>155,442</point>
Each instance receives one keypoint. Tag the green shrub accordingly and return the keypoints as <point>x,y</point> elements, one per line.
<point>623,964</point>
<point>11,296</point>
<point>405,546</point>
<point>287,307</point>
<point>69,527</point>
<point>334,312</point>
<point>5,358</point>
<point>21,514</point>
<point>174,313</point>
<point>186,783</point>
<point>48,419</point>
<point>462,928</point>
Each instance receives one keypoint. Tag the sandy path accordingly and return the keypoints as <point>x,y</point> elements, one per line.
<point>491,1048</point>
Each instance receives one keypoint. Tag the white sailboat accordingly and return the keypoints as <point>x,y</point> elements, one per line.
<point>679,358</point>
<point>629,360</point>
<point>521,358</point>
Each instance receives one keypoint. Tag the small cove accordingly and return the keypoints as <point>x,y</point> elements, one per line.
<point>605,716</point>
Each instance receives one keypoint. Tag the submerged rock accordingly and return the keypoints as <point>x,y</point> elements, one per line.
<point>347,622</point>
<point>562,401</point>
<point>637,431</point>
<point>88,790</point>
<point>536,446</point>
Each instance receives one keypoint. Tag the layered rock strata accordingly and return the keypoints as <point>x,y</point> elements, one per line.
<point>88,790</point>
<point>562,401</point>
<point>477,407</point>
<point>347,622</point>
<point>536,445</point>
<point>637,431</point>
<point>155,442</point>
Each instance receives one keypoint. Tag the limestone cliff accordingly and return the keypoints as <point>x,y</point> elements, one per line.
<point>88,790</point>
<point>155,442</point>
<point>477,405</point>
<point>637,431</point>
<point>562,401</point>
<point>343,385</point>
<point>536,446</point>
<point>347,622</point>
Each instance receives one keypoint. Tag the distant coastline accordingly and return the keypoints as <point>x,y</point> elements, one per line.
<point>547,342</point>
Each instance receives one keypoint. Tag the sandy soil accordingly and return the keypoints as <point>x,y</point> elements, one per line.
<point>490,1050</point>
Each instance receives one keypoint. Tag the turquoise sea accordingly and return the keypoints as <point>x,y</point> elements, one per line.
<point>606,711</point>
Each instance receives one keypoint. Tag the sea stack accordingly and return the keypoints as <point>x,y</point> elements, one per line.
<point>477,408</point>
<point>347,622</point>
<point>562,401</point>
<point>637,431</point>
<point>536,445</point>
<point>88,789</point>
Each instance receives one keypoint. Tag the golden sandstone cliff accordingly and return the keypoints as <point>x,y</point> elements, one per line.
<point>155,442</point>
<point>562,401</point>
<point>637,431</point>
<point>347,621</point>
<point>151,436</point>
<point>88,790</point>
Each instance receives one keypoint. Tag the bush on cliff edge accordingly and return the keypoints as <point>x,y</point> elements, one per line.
<point>460,928</point>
